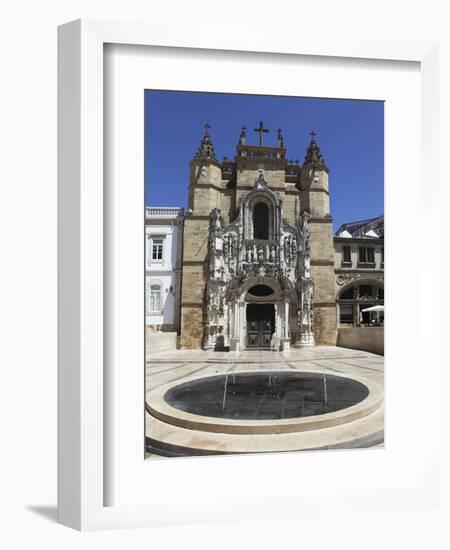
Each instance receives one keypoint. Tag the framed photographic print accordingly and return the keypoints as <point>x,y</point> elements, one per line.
<point>264,332</point>
<point>224,351</point>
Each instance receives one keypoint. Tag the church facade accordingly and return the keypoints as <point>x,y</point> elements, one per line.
<point>258,266</point>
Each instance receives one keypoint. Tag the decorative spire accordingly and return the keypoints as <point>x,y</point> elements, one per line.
<point>242,135</point>
<point>313,154</point>
<point>280,139</point>
<point>206,149</point>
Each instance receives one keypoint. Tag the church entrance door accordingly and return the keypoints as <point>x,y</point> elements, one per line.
<point>260,325</point>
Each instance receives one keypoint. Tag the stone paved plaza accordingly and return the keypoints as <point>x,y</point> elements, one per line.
<point>175,367</point>
<point>171,366</point>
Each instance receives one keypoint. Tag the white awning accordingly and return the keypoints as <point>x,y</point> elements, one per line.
<point>373,308</point>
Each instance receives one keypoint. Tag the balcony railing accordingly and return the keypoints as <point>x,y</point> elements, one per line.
<point>154,211</point>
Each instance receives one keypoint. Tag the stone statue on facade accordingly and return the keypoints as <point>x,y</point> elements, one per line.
<point>225,247</point>
<point>260,255</point>
<point>305,237</point>
<point>216,224</point>
<point>272,254</point>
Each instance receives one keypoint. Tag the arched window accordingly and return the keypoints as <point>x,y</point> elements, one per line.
<point>261,221</point>
<point>354,300</point>
<point>347,294</point>
<point>260,291</point>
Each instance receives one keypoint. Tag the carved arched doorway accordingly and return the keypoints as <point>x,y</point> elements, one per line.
<point>260,316</point>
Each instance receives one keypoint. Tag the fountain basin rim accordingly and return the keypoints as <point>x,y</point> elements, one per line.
<point>157,407</point>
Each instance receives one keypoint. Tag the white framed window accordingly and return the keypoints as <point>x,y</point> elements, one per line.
<point>153,296</point>
<point>157,249</point>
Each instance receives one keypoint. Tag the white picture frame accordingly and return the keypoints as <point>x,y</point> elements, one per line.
<point>83,487</point>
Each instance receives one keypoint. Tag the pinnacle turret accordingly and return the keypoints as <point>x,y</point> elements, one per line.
<point>313,154</point>
<point>280,139</point>
<point>206,149</point>
<point>243,135</point>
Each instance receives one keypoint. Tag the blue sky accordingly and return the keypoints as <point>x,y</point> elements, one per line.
<point>350,134</point>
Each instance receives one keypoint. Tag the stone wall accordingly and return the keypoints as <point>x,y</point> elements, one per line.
<point>291,206</point>
<point>192,323</point>
<point>195,251</point>
<point>362,338</point>
<point>157,341</point>
<point>325,325</point>
<point>227,207</point>
<point>322,272</point>
<point>275,177</point>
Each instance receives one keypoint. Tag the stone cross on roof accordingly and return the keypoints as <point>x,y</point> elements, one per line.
<point>261,130</point>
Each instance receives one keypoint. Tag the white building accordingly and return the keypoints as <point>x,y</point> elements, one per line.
<point>163,240</point>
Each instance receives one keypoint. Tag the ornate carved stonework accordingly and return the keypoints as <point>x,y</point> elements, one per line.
<point>238,261</point>
<point>345,278</point>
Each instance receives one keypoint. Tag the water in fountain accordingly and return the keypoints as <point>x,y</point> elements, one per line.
<point>225,392</point>
<point>289,395</point>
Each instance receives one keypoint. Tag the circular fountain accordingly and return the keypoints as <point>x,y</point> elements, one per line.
<point>266,395</point>
<point>281,410</point>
